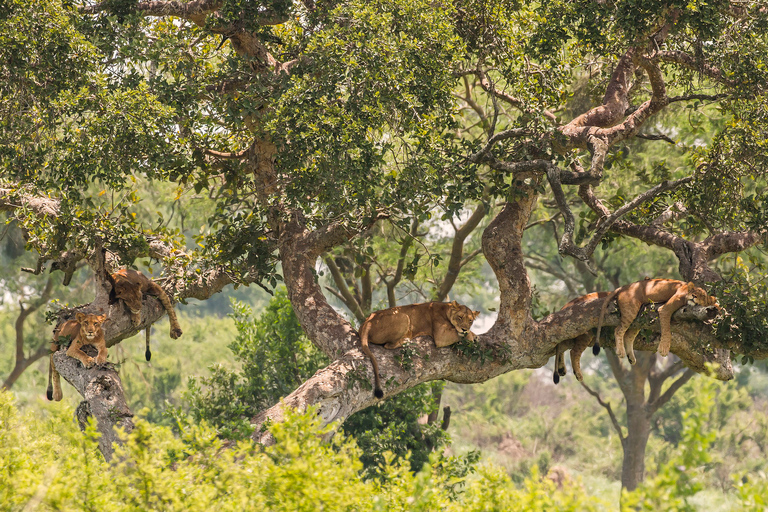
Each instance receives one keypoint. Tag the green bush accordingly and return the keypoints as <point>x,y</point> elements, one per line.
<point>50,465</point>
<point>275,358</point>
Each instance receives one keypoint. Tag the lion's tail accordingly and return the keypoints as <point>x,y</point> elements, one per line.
<point>147,352</point>
<point>608,299</point>
<point>364,331</point>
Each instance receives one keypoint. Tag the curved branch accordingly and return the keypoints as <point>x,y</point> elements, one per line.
<point>567,246</point>
<point>457,251</point>
<point>607,406</point>
<point>615,103</point>
<point>671,390</point>
<point>686,60</point>
<point>344,292</point>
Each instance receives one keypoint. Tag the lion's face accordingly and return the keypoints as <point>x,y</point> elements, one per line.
<point>699,296</point>
<point>461,317</point>
<point>130,293</point>
<point>90,325</point>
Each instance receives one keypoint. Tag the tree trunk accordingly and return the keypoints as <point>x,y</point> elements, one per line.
<point>102,390</point>
<point>638,431</point>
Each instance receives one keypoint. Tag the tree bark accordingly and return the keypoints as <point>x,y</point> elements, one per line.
<point>638,431</point>
<point>103,395</point>
<point>632,384</point>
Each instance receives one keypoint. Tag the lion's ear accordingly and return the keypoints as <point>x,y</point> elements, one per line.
<point>455,304</point>
<point>475,314</point>
<point>79,316</point>
<point>102,318</point>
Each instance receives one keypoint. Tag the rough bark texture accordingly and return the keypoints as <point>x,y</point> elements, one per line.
<point>102,391</point>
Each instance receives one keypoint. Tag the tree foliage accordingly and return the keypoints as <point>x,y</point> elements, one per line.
<point>308,128</point>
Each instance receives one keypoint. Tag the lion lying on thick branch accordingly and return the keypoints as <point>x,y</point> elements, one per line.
<point>631,297</point>
<point>445,322</point>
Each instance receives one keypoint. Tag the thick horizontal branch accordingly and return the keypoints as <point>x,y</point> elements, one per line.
<point>14,198</point>
<point>692,340</point>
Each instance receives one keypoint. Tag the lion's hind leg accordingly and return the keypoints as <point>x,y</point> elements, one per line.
<point>629,344</point>
<point>580,344</point>
<point>54,379</point>
<point>395,344</point>
<point>628,310</point>
<point>157,291</point>
<point>560,370</point>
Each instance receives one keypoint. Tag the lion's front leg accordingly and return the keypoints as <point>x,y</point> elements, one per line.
<point>75,351</point>
<point>135,318</point>
<point>445,336</point>
<point>101,357</point>
<point>677,301</point>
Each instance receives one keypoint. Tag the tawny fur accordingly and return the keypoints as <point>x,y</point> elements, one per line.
<point>631,297</point>
<point>576,345</point>
<point>445,322</point>
<point>130,286</point>
<point>81,330</point>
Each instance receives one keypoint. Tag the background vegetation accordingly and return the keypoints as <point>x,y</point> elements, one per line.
<point>152,130</point>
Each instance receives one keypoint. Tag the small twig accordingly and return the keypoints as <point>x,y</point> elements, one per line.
<point>648,136</point>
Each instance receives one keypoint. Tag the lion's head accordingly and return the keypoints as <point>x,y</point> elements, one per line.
<point>699,296</point>
<point>461,317</point>
<point>130,292</point>
<point>90,325</point>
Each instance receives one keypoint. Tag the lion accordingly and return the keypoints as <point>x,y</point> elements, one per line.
<point>576,345</point>
<point>82,330</point>
<point>445,322</point>
<point>130,286</point>
<point>631,297</point>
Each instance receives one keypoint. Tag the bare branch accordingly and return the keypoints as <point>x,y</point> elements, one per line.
<point>671,390</point>
<point>239,155</point>
<point>701,97</point>
<point>343,289</point>
<point>686,60</point>
<point>607,407</point>
<point>457,249</point>
<point>648,136</point>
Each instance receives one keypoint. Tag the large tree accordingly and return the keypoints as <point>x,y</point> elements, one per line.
<point>306,124</point>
